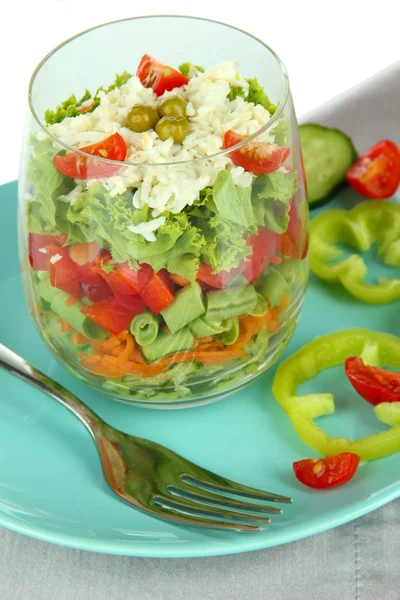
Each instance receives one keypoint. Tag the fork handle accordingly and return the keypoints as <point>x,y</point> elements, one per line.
<point>15,364</point>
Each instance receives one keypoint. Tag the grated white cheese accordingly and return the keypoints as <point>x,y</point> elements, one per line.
<point>147,228</point>
<point>55,258</point>
<point>172,187</point>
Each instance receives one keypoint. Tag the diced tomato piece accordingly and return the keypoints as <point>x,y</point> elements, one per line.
<point>294,242</point>
<point>373,384</point>
<point>326,472</point>
<point>159,77</point>
<point>77,166</point>
<point>265,245</point>
<point>216,280</point>
<point>376,173</point>
<point>38,244</point>
<point>256,157</point>
<point>155,288</point>
<point>116,314</point>
<point>93,285</point>
<point>64,272</point>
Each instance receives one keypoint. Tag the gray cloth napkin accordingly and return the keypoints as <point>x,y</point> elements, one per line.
<point>357,561</point>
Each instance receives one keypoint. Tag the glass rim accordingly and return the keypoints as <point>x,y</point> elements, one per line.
<point>222,152</point>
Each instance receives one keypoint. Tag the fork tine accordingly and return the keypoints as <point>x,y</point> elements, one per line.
<point>206,497</point>
<point>180,517</point>
<point>192,509</point>
<point>221,485</point>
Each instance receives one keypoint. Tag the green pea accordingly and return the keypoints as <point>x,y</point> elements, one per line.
<point>174,106</point>
<point>175,127</point>
<point>142,118</point>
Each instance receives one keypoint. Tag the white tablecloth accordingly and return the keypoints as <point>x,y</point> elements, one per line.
<point>358,561</point>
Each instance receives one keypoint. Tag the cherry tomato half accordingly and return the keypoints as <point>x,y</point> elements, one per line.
<point>376,173</point>
<point>159,77</point>
<point>256,157</point>
<point>77,166</point>
<point>327,472</point>
<point>373,384</point>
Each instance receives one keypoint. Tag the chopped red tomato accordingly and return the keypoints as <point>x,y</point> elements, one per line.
<point>373,384</point>
<point>155,288</point>
<point>216,280</point>
<point>93,285</point>
<point>326,472</point>
<point>294,242</point>
<point>265,245</point>
<point>77,166</point>
<point>116,314</point>
<point>38,244</point>
<point>159,77</point>
<point>256,157</point>
<point>376,173</point>
<point>64,272</point>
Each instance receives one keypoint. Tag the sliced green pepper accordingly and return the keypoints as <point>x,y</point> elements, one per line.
<point>323,353</point>
<point>367,223</point>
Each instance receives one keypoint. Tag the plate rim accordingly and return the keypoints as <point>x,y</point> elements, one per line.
<point>205,549</point>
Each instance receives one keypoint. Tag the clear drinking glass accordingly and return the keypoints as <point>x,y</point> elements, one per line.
<point>163,270</point>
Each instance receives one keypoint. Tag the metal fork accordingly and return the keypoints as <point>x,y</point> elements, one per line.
<point>153,478</point>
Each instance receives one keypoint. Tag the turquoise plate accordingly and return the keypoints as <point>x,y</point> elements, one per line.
<point>51,485</point>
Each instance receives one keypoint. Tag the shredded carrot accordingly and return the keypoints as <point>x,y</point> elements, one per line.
<point>65,327</point>
<point>120,355</point>
<point>79,338</point>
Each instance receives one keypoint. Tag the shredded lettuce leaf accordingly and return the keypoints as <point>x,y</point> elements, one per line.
<point>70,107</point>
<point>257,95</point>
<point>281,132</point>
<point>233,202</point>
<point>235,91</point>
<point>270,198</point>
<point>190,70</point>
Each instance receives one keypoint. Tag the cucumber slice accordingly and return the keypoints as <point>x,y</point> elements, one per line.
<point>327,154</point>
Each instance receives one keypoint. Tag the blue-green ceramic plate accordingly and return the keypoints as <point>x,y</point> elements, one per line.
<point>51,485</point>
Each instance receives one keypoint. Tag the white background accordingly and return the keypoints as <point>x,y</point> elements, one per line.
<point>327,45</point>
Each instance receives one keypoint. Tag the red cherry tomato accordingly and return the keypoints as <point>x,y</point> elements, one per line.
<point>159,77</point>
<point>373,384</point>
<point>256,157</point>
<point>116,314</point>
<point>376,173</point>
<point>77,166</point>
<point>327,472</point>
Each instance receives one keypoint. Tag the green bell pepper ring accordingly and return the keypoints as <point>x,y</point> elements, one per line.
<point>367,223</point>
<point>325,352</point>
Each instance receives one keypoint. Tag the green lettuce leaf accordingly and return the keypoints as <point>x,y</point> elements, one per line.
<point>281,132</point>
<point>47,184</point>
<point>70,106</point>
<point>257,95</point>
<point>105,219</point>
<point>270,198</point>
<point>235,91</point>
<point>190,70</point>
<point>233,202</point>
